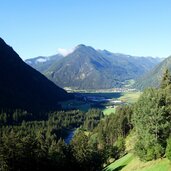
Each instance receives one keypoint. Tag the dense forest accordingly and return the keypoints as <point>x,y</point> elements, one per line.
<point>30,143</point>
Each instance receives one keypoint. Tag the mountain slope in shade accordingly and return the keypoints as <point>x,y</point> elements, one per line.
<point>23,87</point>
<point>154,76</point>
<point>87,68</point>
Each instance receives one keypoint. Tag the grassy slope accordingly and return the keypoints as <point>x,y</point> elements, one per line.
<point>155,165</point>
<point>120,163</point>
<point>131,163</point>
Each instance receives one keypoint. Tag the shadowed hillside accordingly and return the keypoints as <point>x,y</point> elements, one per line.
<point>23,87</point>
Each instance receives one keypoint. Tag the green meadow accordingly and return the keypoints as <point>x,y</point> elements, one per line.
<point>131,163</point>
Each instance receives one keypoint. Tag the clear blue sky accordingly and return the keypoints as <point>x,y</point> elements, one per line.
<point>40,27</point>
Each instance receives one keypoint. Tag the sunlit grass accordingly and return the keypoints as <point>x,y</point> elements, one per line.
<point>120,163</point>
<point>130,97</point>
<point>109,110</point>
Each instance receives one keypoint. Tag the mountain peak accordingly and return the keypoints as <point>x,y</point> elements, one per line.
<point>7,54</point>
<point>81,46</point>
<point>85,49</point>
<point>1,40</point>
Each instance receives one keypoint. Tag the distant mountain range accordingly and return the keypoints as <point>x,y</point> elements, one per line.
<point>22,87</point>
<point>87,68</point>
<point>154,76</point>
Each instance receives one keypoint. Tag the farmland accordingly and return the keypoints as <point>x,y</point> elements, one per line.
<point>106,101</point>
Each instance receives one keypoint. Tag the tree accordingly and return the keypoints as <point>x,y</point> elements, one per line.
<point>87,156</point>
<point>58,155</point>
<point>151,121</point>
<point>166,79</point>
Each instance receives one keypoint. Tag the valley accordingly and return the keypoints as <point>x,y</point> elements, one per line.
<point>92,125</point>
<point>85,85</point>
<point>106,100</point>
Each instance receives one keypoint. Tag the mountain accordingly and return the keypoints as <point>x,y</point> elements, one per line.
<point>23,87</point>
<point>154,76</point>
<point>41,63</point>
<point>135,65</point>
<point>87,68</point>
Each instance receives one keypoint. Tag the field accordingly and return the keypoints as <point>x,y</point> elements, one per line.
<point>107,107</point>
<point>157,165</point>
<point>130,97</point>
<point>131,163</point>
<point>108,111</point>
<point>126,97</point>
<point>120,163</point>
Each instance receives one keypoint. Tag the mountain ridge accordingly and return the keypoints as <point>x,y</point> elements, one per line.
<point>87,68</point>
<point>154,76</point>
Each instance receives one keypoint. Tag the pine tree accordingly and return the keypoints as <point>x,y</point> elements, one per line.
<point>151,120</point>
<point>166,79</point>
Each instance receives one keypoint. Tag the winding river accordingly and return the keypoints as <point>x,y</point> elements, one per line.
<point>69,136</point>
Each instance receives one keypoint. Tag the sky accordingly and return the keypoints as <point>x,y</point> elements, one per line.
<point>45,27</point>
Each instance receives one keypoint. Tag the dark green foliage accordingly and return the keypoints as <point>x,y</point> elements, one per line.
<point>120,147</point>
<point>115,125</point>
<point>151,122</point>
<point>92,118</point>
<point>37,145</point>
<point>166,80</point>
<point>111,132</point>
<point>86,154</point>
<point>15,117</point>
<point>152,119</point>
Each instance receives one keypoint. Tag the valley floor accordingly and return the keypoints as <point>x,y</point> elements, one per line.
<point>106,101</point>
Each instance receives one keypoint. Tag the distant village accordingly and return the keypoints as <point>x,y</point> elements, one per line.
<point>71,90</point>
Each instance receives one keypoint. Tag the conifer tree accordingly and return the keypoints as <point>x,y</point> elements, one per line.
<point>166,79</point>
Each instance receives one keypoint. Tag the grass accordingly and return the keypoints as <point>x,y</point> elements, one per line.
<point>132,163</point>
<point>159,165</point>
<point>110,110</point>
<point>130,97</point>
<point>120,163</point>
<point>155,165</point>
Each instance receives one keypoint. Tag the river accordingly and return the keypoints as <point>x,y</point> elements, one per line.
<point>69,136</point>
